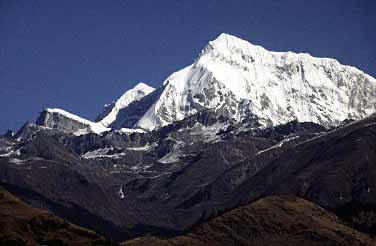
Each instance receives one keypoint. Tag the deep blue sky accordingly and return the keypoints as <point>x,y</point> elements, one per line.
<point>80,54</point>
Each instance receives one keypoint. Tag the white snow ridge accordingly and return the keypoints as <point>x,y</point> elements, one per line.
<point>62,120</point>
<point>90,126</point>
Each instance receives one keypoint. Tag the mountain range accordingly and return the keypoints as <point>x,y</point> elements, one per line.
<point>241,131</point>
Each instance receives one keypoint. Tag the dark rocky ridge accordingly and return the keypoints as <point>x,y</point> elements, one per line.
<point>334,170</point>
<point>166,181</point>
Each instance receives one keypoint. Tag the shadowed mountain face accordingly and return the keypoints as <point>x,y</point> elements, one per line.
<point>335,170</point>
<point>20,224</point>
<point>166,181</point>
<point>268,221</point>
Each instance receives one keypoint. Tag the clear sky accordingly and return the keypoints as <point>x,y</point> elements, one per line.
<point>80,54</point>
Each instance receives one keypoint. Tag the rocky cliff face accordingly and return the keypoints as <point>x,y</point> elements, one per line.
<point>60,121</point>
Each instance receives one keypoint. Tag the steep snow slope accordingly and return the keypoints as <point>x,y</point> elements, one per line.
<point>242,81</point>
<point>130,96</point>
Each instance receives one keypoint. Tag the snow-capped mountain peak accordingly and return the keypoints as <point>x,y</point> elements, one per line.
<point>142,86</point>
<point>130,96</point>
<point>231,44</point>
<point>242,81</point>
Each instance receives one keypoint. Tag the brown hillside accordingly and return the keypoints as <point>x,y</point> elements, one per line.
<point>20,224</point>
<point>269,221</point>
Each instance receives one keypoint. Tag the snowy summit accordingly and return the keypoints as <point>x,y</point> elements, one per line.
<point>241,80</point>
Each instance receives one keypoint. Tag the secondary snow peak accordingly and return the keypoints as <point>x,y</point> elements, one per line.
<point>130,96</point>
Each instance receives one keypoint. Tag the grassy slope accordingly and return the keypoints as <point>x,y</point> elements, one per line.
<point>269,221</point>
<point>20,224</point>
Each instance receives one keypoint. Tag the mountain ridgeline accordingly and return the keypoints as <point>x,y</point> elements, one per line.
<point>225,151</point>
<point>242,81</point>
